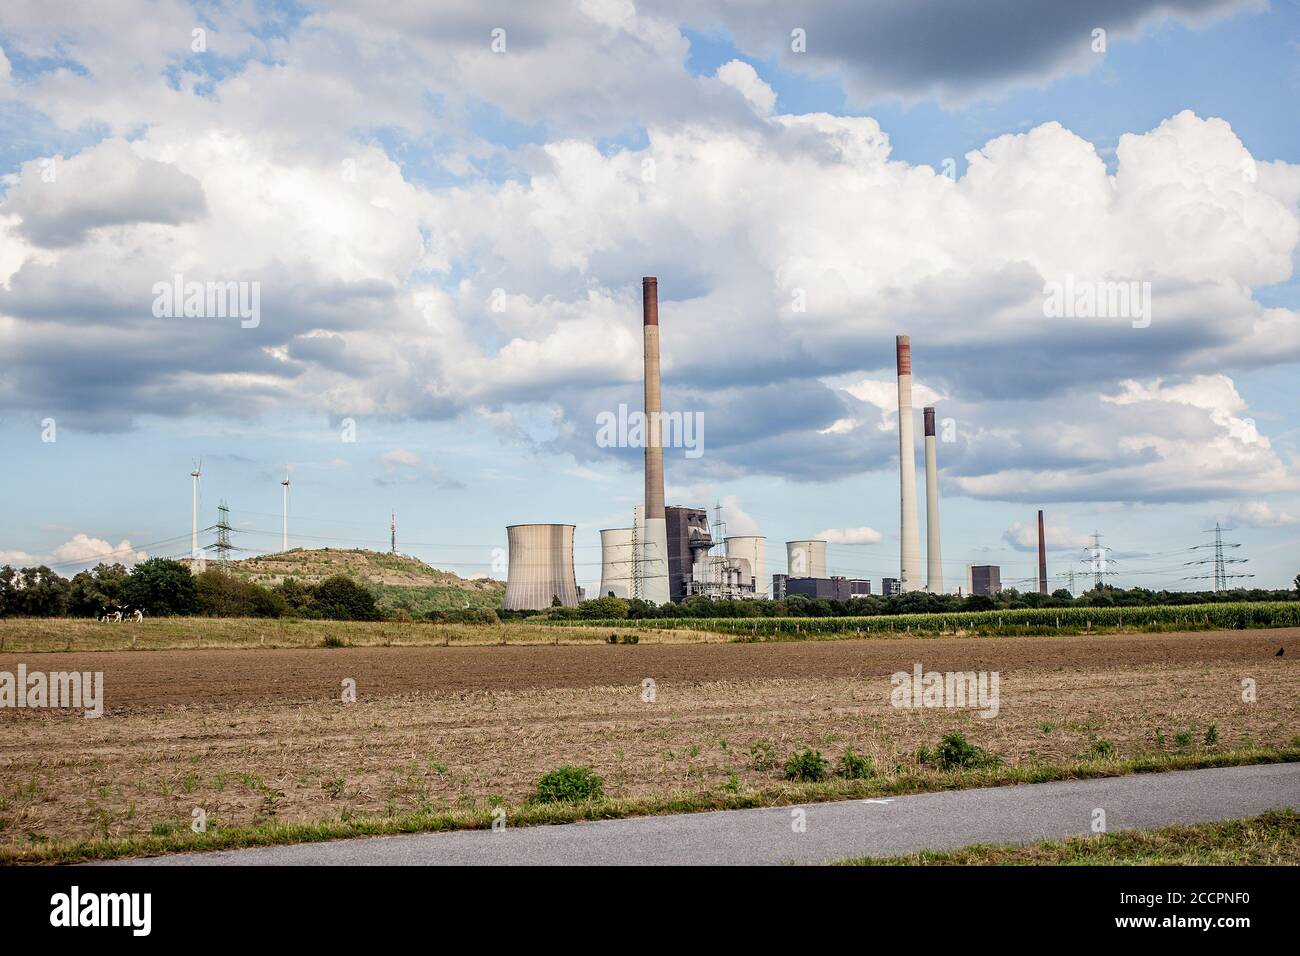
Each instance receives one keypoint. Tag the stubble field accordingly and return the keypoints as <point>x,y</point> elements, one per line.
<point>259,735</point>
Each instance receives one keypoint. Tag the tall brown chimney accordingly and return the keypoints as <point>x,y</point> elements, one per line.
<point>654,452</point>
<point>1042,555</point>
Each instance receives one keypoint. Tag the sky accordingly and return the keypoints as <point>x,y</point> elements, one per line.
<point>433,220</point>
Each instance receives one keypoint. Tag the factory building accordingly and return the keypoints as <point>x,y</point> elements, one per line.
<point>984,579</point>
<point>889,587</point>
<point>689,542</point>
<point>834,588</point>
<point>541,567</point>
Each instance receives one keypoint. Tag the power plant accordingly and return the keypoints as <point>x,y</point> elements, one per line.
<point>672,553</point>
<point>909,542</point>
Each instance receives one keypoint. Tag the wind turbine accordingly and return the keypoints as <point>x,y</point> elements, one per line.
<point>284,534</point>
<point>194,511</point>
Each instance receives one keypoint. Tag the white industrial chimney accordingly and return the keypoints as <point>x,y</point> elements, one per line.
<point>652,562</point>
<point>933,552</point>
<point>909,577</point>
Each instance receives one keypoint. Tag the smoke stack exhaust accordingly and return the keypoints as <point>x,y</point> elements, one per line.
<point>909,576</point>
<point>654,547</point>
<point>1042,555</point>
<point>933,552</point>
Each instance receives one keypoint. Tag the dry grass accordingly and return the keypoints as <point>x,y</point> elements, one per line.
<point>38,635</point>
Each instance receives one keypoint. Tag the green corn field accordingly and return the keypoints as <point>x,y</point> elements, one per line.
<point>1071,620</point>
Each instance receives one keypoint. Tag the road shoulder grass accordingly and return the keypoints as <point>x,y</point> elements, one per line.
<point>1271,839</point>
<point>530,814</point>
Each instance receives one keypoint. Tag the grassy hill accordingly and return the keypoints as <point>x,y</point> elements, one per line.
<point>397,581</point>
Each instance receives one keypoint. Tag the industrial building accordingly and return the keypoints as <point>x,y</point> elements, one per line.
<point>689,542</point>
<point>889,587</point>
<point>541,567</point>
<point>984,579</point>
<point>834,588</point>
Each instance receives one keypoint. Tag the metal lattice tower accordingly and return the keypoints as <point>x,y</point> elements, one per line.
<point>392,531</point>
<point>1097,560</point>
<point>1219,573</point>
<point>718,533</point>
<point>636,560</point>
<point>223,545</point>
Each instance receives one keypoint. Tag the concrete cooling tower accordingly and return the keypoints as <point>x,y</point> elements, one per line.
<point>541,567</point>
<point>749,548</point>
<point>806,559</point>
<point>616,562</point>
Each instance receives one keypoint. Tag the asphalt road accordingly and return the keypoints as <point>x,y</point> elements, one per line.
<point>832,831</point>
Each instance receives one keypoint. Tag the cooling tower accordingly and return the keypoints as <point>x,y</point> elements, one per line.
<point>933,552</point>
<point>749,548</point>
<point>541,567</point>
<point>909,577</point>
<point>1042,556</point>
<point>806,559</point>
<point>653,564</point>
<point>616,562</point>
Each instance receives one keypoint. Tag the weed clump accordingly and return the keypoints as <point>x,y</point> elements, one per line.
<point>570,785</point>
<point>807,765</point>
<point>855,766</point>
<point>955,752</point>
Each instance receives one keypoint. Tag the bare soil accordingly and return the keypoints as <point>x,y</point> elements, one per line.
<point>260,734</point>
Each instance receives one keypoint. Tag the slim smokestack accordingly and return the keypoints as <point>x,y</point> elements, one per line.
<point>653,564</point>
<point>654,452</point>
<point>909,577</point>
<point>1042,555</point>
<point>933,552</point>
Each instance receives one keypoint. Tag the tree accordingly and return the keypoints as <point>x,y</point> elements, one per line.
<point>343,599</point>
<point>224,595</point>
<point>297,596</point>
<point>601,608</point>
<point>161,586</point>
<point>91,592</point>
<point>1297,583</point>
<point>37,592</point>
